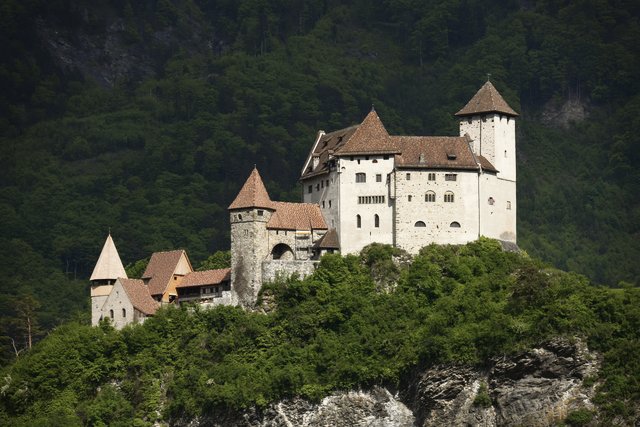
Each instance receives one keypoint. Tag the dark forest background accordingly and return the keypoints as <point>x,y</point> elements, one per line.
<point>145,117</point>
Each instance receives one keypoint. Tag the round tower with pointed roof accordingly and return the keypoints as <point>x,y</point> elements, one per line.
<point>248,214</point>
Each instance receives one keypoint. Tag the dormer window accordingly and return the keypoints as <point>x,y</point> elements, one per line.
<point>451,156</point>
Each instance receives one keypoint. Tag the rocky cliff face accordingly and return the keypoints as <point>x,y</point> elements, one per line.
<point>537,388</point>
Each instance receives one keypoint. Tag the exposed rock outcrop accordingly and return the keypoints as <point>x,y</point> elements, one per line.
<point>537,388</point>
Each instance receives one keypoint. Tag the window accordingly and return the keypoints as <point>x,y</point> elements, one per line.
<point>491,201</point>
<point>358,221</point>
<point>375,161</point>
<point>386,157</point>
<point>410,197</point>
<point>317,187</point>
<point>260,212</point>
<point>361,177</point>
<point>111,313</point>
<point>327,184</point>
<point>420,224</point>
<point>368,200</point>
<point>450,177</point>
<point>310,189</point>
<point>432,177</point>
<point>358,161</point>
<point>408,177</point>
<point>508,205</point>
<point>454,224</point>
<point>448,197</point>
<point>323,204</point>
<point>322,184</point>
<point>505,154</point>
<point>239,217</point>
<point>124,313</point>
<point>378,177</point>
<point>329,203</point>
<point>430,196</point>
<point>376,221</point>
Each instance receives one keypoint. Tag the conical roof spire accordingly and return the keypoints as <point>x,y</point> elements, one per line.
<point>253,194</point>
<point>487,100</point>
<point>109,265</point>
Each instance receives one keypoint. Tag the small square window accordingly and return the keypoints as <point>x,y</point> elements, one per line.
<point>260,212</point>
<point>408,177</point>
<point>378,177</point>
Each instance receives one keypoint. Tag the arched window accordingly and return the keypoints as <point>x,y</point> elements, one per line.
<point>376,221</point>
<point>491,201</point>
<point>124,313</point>
<point>111,313</point>
<point>420,224</point>
<point>454,224</point>
<point>358,221</point>
<point>430,196</point>
<point>448,197</point>
<point>361,177</point>
<point>239,217</point>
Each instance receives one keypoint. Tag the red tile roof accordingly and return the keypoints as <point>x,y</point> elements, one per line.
<point>329,240</point>
<point>370,137</point>
<point>487,100</point>
<point>207,277</point>
<point>160,270</point>
<point>435,152</point>
<point>327,144</point>
<point>139,296</point>
<point>253,194</point>
<point>296,216</point>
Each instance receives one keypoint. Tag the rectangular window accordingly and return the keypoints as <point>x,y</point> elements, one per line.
<point>410,197</point>
<point>260,212</point>
<point>329,203</point>
<point>361,177</point>
<point>317,187</point>
<point>378,177</point>
<point>310,189</point>
<point>322,184</point>
<point>408,177</point>
<point>450,177</point>
<point>508,205</point>
<point>432,177</point>
<point>386,157</point>
<point>327,183</point>
<point>370,200</point>
<point>323,204</point>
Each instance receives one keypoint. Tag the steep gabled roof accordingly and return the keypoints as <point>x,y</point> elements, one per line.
<point>370,137</point>
<point>487,100</point>
<point>161,268</point>
<point>253,194</point>
<point>326,145</point>
<point>296,216</point>
<point>109,265</point>
<point>207,277</point>
<point>330,240</point>
<point>139,296</point>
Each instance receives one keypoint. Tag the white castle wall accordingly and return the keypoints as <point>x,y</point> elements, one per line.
<point>411,207</point>
<point>325,191</point>
<point>352,238</point>
<point>497,220</point>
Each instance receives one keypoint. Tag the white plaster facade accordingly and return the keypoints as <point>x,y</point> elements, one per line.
<point>471,180</point>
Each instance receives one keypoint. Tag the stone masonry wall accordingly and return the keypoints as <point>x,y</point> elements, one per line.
<point>274,268</point>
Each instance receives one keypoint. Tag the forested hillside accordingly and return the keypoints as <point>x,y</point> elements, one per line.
<point>145,118</point>
<point>335,330</point>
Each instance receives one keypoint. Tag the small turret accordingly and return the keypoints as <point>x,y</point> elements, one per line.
<point>109,266</point>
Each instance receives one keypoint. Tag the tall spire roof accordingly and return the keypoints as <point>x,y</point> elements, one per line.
<point>253,194</point>
<point>487,100</point>
<point>109,265</point>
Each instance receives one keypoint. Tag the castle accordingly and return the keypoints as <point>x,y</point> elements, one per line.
<point>360,186</point>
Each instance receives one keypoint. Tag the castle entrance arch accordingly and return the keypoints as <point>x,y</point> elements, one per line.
<point>282,251</point>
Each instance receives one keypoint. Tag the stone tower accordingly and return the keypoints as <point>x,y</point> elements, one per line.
<point>248,215</point>
<point>490,123</point>
<point>107,270</point>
